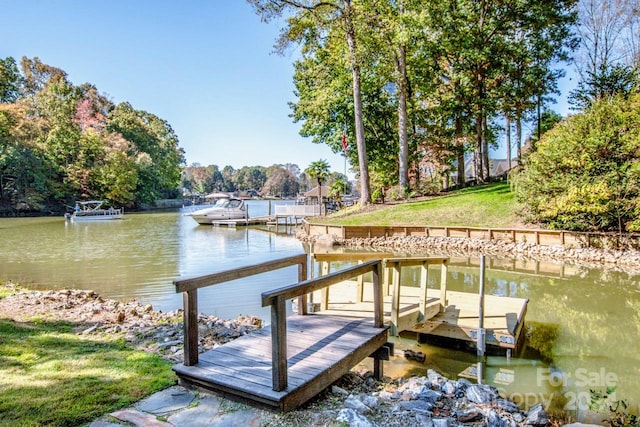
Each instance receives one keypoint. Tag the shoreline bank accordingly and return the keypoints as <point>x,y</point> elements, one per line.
<point>627,261</point>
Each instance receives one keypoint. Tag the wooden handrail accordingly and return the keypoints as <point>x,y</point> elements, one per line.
<point>277,298</point>
<point>350,256</point>
<point>415,261</point>
<point>311,285</point>
<point>191,283</point>
<point>189,287</point>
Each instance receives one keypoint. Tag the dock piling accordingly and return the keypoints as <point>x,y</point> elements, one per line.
<point>481,331</point>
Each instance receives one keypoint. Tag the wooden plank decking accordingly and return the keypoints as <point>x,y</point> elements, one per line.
<point>320,349</point>
<point>503,319</point>
<point>503,316</point>
<point>295,357</point>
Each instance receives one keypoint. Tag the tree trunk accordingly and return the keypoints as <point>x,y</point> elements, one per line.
<point>519,139</point>
<point>403,154</point>
<point>320,196</point>
<point>479,146</point>
<point>508,142</point>
<point>365,188</point>
<point>462,173</point>
<point>486,171</point>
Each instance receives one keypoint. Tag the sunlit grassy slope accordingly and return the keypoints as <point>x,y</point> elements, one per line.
<point>486,206</point>
<point>53,376</point>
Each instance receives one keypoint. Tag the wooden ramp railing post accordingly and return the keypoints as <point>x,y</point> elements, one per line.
<point>189,288</point>
<point>279,344</point>
<point>302,299</point>
<point>190,317</point>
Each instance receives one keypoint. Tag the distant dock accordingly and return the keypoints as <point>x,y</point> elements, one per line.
<point>283,215</point>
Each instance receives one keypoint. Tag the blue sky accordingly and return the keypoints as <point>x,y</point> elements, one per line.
<point>206,67</point>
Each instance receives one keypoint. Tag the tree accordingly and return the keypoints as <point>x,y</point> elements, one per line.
<point>487,54</point>
<point>607,82</point>
<point>585,172</point>
<point>318,170</point>
<point>337,188</point>
<point>609,44</point>
<point>548,119</point>
<point>250,177</point>
<point>228,178</point>
<point>313,23</point>
<point>38,74</point>
<point>10,80</point>
<point>281,182</point>
<point>60,142</point>
<point>601,27</point>
<point>154,147</point>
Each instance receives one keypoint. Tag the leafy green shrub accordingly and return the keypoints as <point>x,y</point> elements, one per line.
<point>396,193</point>
<point>585,173</point>
<point>617,411</point>
<point>377,196</point>
<point>428,188</point>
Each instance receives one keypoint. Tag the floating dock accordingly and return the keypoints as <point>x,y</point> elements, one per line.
<point>437,313</point>
<point>503,316</point>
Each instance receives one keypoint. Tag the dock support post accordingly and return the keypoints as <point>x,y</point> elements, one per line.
<point>424,282</point>
<point>443,287</point>
<point>360,287</point>
<point>395,299</point>
<point>378,316</point>
<point>481,331</point>
<point>324,293</point>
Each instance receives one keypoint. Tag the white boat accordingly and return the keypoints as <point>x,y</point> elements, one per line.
<point>226,209</point>
<point>91,210</point>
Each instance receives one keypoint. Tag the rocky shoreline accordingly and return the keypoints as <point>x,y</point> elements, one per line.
<point>355,400</point>
<point>142,326</point>
<point>623,260</point>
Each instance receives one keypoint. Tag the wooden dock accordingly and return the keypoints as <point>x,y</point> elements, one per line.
<point>320,349</point>
<point>503,320</point>
<point>257,220</point>
<point>428,312</point>
<point>503,316</point>
<point>296,357</point>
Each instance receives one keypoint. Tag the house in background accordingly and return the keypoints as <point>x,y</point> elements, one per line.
<point>311,196</point>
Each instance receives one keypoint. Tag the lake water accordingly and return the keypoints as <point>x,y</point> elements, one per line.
<point>585,322</point>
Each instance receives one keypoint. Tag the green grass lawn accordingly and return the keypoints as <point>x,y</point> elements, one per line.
<point>485,206</point>
<point>50,375</point>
